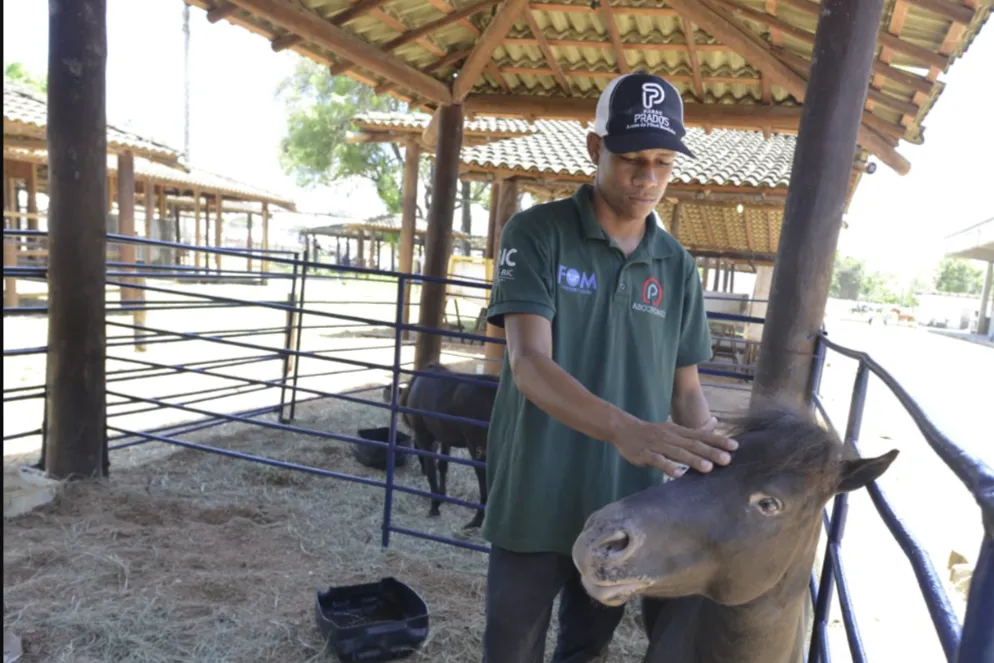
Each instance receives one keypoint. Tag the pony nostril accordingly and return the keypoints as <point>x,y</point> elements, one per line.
<point>618,544</point>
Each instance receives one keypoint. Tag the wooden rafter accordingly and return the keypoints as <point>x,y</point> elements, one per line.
<point>587,73</point>
<point>543,45</point>
<point>589,43</point>
<point>423,31</point>
<point>695,63</point>
<point>452,58</point>
<point>221,11</point>
<point>505,17</point>
<point>312,27</point>
<point>763,58</point>
<point>607,16</point>
<point>781,118</point>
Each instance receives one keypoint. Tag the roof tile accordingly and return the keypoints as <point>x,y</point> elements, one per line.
<point>25,106</point>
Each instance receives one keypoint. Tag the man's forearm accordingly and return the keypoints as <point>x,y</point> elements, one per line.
<point>689,408</point>
<point>546,384</point>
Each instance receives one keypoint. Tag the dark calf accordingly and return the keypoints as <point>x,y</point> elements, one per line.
<point>456,398</point>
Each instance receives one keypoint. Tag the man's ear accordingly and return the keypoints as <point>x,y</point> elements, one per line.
<point>860,473</point>
<point>594,147</point>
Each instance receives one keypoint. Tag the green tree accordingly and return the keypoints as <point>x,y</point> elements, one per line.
<point>319,113</point>
<point>18,73</point>
<point>955,275</point>
<point>847,277</point>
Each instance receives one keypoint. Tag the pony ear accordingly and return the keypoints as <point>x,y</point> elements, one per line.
<point>861,472</point>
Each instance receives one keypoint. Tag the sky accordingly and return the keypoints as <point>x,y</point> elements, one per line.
<point>896,223</point>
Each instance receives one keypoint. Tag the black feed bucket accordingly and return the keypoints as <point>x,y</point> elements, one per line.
<point>378,621</point>
<point>376,457</point>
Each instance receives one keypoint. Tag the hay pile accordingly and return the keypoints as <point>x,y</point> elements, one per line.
<point>196,557</point>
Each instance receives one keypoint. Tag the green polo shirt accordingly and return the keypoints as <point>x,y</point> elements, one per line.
<point>621,326</point>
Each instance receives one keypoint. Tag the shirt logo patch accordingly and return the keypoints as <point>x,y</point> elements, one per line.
<point>505,264</point>
<point>652,297</point>
<point>573,280</point>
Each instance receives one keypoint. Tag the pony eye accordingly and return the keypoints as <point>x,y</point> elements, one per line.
<point>766,504</point>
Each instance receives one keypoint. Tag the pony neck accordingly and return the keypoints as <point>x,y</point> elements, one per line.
<point>768,629</point>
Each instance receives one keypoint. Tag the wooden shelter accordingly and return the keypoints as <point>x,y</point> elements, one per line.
<point>726,204</point>
<point>137,167</point>
<point>840,74</point>
<point>373,233</point>
<point>739,64</point>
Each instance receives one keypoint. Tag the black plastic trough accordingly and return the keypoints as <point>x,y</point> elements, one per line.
<point>376,457</point>
<point>379,621</point>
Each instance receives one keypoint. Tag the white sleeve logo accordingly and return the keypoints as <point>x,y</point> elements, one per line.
<point>505,257</point>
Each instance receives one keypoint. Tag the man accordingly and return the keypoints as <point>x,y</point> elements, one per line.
<point>604,317</point>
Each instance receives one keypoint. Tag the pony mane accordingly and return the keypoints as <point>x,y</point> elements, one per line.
<point>774,437</point>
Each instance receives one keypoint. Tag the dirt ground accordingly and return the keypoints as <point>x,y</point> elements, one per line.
<point>203,558</point>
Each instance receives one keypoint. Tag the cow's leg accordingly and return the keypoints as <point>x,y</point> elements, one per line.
<point>479,452</point>
<point>443,469</point>
<point>425,443</point>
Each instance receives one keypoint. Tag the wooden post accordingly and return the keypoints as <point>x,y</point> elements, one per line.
<point>265,233</point>
<point>218,230</point>
<point>196,228</point>
<point>248,241</point>
<point>76,440</point>
<point>10,297</point>
<point>126,211</point>
<point>438,242</point>
<point>844,47</point>
<point>493,353</point>
<point>126,226</point>
<point>983,319</point>
<point>33,198</point>
<point>149,215</point>
<point>675,222</point>
<point>490,248</point>
<point>412,154</point>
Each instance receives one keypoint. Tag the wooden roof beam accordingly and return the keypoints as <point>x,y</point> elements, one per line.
<point>881,68</point>
<point>607,15</point>
<point>452,58</point>
<point>357,10</point>
<point>752,116</point>
<point>312,27</point>
<point>763,58</point>
<point>506,17</point>
<point>423,31</point>
<point>950,10</point>
<point>221,11</point>
<point>923,55</point>
<point>543,46</point>
<point>587,8</point>
<point>801,66</point>
<point>284,42</point>
<point>695,64</point>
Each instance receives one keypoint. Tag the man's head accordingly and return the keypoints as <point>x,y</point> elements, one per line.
<point>637,132</point>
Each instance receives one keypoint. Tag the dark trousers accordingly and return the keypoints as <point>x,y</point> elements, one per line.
<point>521,588</point>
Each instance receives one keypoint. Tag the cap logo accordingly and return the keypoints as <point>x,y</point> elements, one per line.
<point>652,94</point>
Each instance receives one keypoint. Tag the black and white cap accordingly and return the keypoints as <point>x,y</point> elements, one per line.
<point>640,112</point>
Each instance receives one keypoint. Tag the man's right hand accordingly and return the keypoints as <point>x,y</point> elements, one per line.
<point>672,448</point>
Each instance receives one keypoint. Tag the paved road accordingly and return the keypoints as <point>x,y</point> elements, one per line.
<point>950,378</point>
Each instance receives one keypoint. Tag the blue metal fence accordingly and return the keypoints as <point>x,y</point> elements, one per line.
<point>970,643</point>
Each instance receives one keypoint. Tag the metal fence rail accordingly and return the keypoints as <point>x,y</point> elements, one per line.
<point>971,642</point>
<point>278,345</point>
